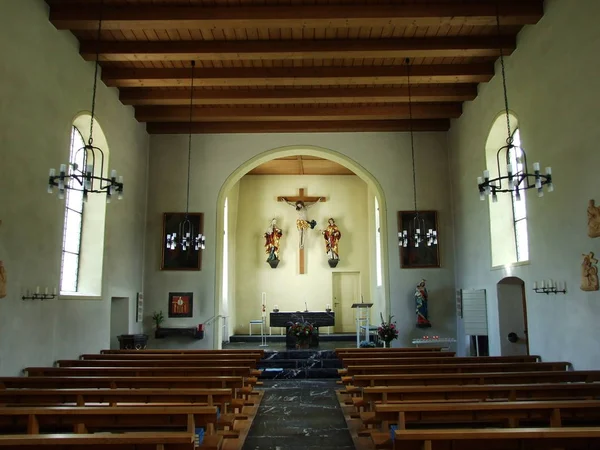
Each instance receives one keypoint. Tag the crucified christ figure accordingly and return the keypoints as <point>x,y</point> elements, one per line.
<point>302,222</point>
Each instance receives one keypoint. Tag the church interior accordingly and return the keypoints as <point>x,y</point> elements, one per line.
<point>308,147</point>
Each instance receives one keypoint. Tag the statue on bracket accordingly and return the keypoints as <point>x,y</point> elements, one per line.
<point>332,237</point>
<point>421,296</point>
<point>272,236</point>
<point>589,273</point>
<point>593,213</point>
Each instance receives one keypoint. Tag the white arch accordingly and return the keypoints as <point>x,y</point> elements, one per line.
<point>295,150</point>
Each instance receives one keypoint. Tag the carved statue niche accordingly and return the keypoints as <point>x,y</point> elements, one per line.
<point>593,213</point>
<point>589,273</point>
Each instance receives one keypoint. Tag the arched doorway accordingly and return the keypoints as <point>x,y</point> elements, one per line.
<point>512,317</point>
<point>221,272</point>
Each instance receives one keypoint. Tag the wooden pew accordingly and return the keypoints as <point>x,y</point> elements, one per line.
<point>180,352</point>
<point>505,392</point>
<point>137,371</point>
<point>398,355</point>
<point>458,368</point>
<point>84,419</point>
<point>501,414</point>
<point>250,363</point>
<point>572,438</point>
<point>452,360</point>
<point>206,382</point>
<point>184,356</point>
<point>137,440</point>
<point>113,397</point>
<point>382,350</point>
<point>428,379</point>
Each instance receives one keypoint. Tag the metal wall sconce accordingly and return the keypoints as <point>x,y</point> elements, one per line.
<point>37,296</point>
<point>550,287</point>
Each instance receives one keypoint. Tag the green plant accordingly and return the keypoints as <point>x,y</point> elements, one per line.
<point>158,318</point>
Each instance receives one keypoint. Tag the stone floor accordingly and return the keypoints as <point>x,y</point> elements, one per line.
<point>299,415</point>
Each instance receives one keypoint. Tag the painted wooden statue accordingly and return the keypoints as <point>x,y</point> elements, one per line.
<point>593,213</point>
<point>272,236</point>
<point>332,237</point>
<point>421,297</point>
<point>589,273</point>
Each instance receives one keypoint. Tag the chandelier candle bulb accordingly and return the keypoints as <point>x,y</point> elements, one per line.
<point>535,285</point>
<point>536,166</point>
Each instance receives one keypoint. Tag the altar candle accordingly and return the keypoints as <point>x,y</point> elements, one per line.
<point>264,298</point>
<point>327,306</point>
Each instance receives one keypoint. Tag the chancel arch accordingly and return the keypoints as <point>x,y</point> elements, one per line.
<point>251,205</point>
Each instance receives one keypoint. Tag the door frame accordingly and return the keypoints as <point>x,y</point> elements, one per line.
<point>344,272</point>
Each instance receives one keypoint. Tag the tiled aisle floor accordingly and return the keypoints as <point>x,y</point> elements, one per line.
<point>299,415</point>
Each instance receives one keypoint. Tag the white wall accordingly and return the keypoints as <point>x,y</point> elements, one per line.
<point>386,156</point>
<point>346,202</point>
<point>44,84</point>
<point>554,90</point>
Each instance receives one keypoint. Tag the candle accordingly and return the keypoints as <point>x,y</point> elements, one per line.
<point>54,291</point>
<point>37,289</point>
<point>46,291</point>
<point>327,306</point>
<point>535,286</point>
<point>264,298</point>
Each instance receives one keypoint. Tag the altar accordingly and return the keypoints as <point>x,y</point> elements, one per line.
<point>316,318</point>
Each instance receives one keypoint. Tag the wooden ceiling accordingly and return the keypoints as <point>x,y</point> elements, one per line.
<point>300,165</point>
<point>295,65</point>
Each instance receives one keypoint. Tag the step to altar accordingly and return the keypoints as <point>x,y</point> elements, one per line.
<point>299,364</point>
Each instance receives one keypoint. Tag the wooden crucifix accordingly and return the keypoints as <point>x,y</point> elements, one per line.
<point>301,203</point>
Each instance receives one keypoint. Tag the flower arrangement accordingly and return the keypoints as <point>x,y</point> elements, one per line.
<point>387,331</point>
<point>302,331</point>
<point>367,344</point>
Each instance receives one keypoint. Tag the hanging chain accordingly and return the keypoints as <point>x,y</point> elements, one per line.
<point>187,204</point>
<point>412,138</point>
<point>98,37</point>
<point>509,139</point>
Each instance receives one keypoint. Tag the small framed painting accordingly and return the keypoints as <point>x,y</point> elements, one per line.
<point>139,308</point>
<point>177,258</point>
<point>181,304</point>
<point>423,256</point>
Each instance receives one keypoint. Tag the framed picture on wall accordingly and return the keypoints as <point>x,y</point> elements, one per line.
<point>423,256</point>
<point>139,308</point>
<point>181,304</point>
<point>179,259</point>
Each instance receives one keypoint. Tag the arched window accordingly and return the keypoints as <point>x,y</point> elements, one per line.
<point>71,248</point>
<point>508,216</point>
<point>83,232</point>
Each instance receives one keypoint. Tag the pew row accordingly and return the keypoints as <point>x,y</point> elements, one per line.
<point>250,363</point>
<point>437,360</point>
<point>139,371</point>
<point>340,351</point>
<point>180,352</point>
<point>429,379</point>
<point>178,356</point>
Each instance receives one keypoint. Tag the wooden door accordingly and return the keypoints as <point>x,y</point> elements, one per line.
<point>345,292</point>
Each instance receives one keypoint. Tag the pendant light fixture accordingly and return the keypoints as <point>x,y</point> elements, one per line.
<point>89,178</point>
<point>415,233</point>
<point>517,178</point>
<point>187,238</point>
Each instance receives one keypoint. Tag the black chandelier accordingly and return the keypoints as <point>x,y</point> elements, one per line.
<point>187,238</point>
<point>416,233</point>
<point>517,178</point>
<point>90,177</point>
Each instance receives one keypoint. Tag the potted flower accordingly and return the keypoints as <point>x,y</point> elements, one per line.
<point>387,331</point>
<point>303,332</point>
<point>158,318</point>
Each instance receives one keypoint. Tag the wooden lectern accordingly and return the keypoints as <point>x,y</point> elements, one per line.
<point>362,318</point>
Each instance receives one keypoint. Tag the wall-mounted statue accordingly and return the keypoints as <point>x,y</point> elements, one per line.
<point>272,236</point>
<point>593,213</point>
<point>589,273</point>
<point>332,237</point>
<point>421,297</point>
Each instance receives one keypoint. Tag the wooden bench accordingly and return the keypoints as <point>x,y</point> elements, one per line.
<point>575,438</point>
<point>180,352</point>
<point>458,368</point>
<point>84,419</point>
<point>340,351</point>
<point>505,392</point>
<point>545,413</point>
<point>137,440</point>
<point>451,360</point>
<point>184,356</point>
<point>428,379</point>
<point>137,371</point>
<point>250,363</point>
<point>99,382</point>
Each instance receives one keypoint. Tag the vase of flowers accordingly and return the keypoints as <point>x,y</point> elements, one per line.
<point>303,332</point>
<point>387,331</point>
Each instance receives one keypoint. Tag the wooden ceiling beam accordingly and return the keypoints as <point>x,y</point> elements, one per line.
<point>298,127</point>
<point>265,113</point>
<point>442,47</point>
<point>299,76</point>
<point>165,17</point>
<point>419,94</point>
